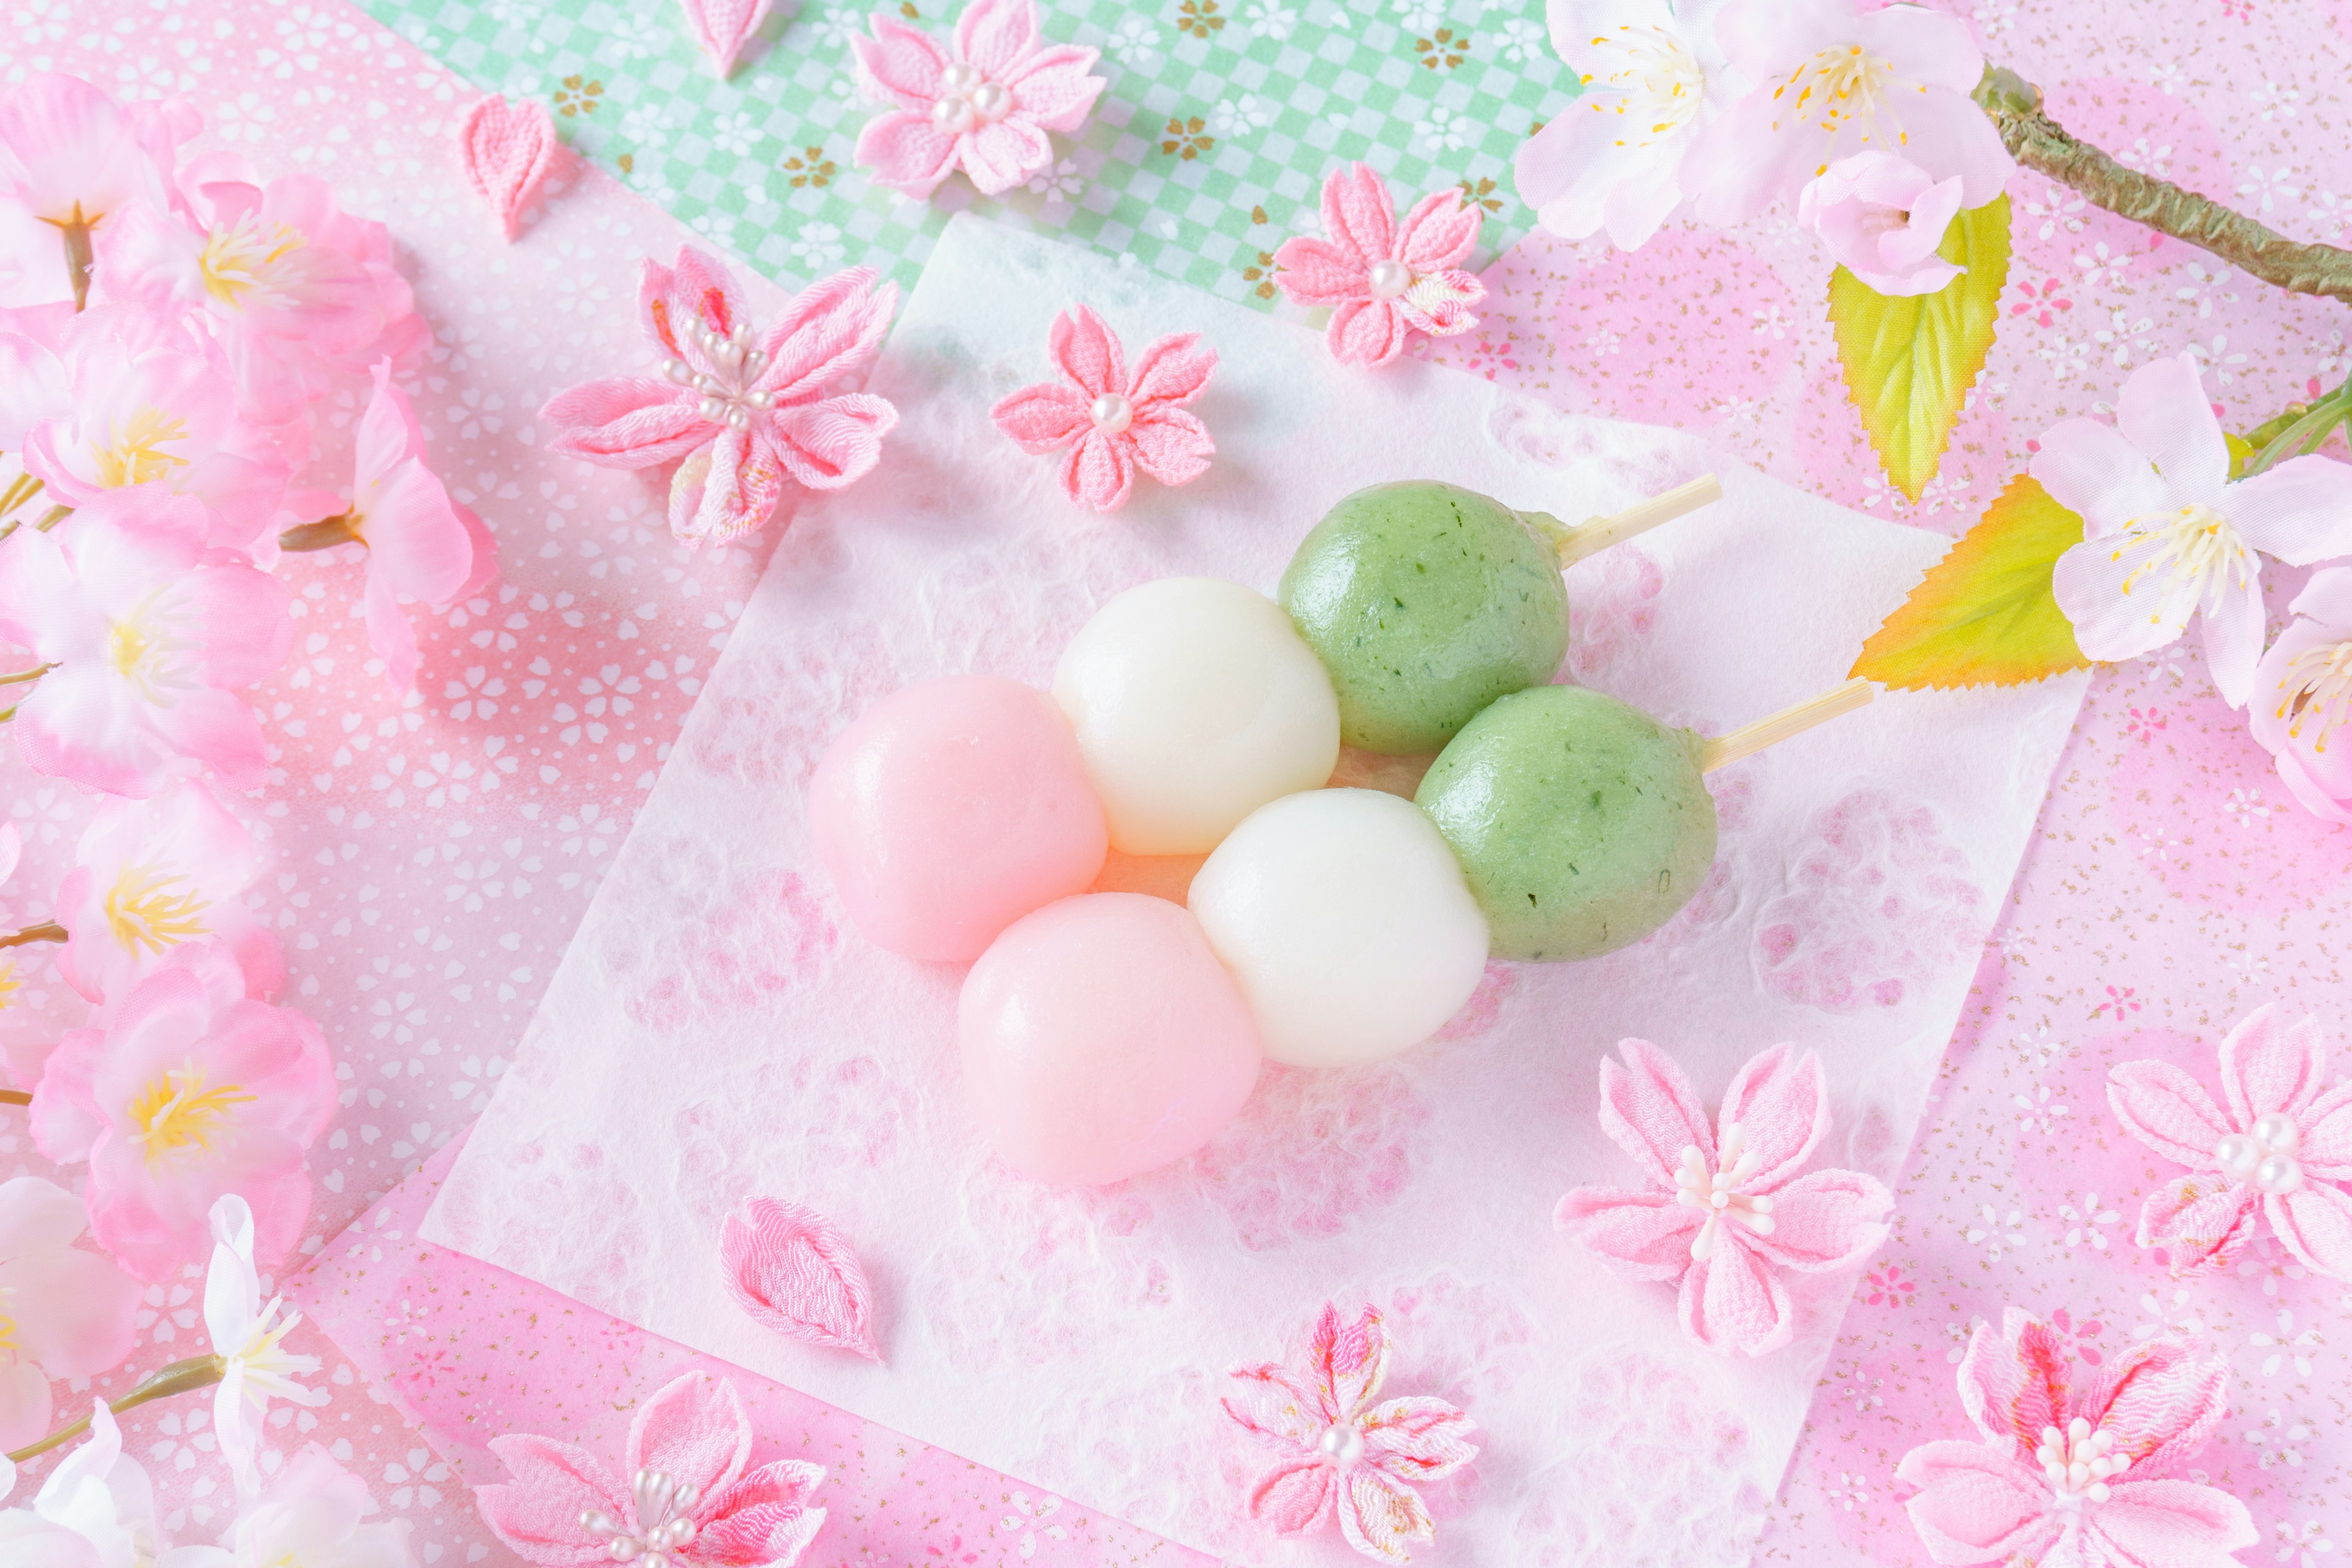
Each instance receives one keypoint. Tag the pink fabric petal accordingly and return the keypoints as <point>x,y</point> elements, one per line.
<point>1650,1110</point>
<point>1358,215</point>
<point>2162,1400</point>
<point>1418,1439</point>
<point>1170,371</point>
<point>539,1513</point>
<point>1439,303</point>
<point>900,63</point>
<point>1043,418</point>
<point>2171,1524</point>
<point>2325,1146</point>
<point>1978,1503</point>
<point>1380,1516</point>
<point>764,1520</point>
<point>907,152</point>
<point>2014,1381</point>
<point>1172,444</point>
<point>630,422</point>
<point>831,330</point>
<point>1316,272</point>
<point>1295,1496</point>
<point>1349,1359</point>
<point>992,34</point>
<point>1439,232</point>
<point>795,1274</point>
<point>2315,1221</point>
<point>1056,88</point>
<point>1782,1103</point>
<point>1087,352</point>
<point>1730,1300</point>
<point>1366,332</point>
<point>507,149</point>
<point>1002,153</point>
<point>2268,1065</point>
<point>722,27</point>
<point>694,287</point>
<point>693,1430</point>
<point>1279,1409</point>
<point>1099,472</point>
<point>1642,1235</point>
<point>2201,1220</point>
<point>1825,1220</point>
<point>2169,1110</point>
<point>831,445</point>
<point>736,493</point>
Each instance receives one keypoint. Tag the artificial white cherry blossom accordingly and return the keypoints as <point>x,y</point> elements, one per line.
<point>248,1336</point>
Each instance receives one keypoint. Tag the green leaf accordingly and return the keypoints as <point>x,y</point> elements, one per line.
<point>1909,361</point>
<point>1985,614</point>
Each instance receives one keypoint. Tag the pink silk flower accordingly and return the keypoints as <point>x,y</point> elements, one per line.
<point>1384,280</point>
<point>1111,422</point>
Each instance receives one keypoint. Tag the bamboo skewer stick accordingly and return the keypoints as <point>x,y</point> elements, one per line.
<point>1721,750</point>
<point>1598,534</point>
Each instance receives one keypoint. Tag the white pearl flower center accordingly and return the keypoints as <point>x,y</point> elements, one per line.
<point>1718,1193</point>
<point>730,394</point>
<point>1112,413</point>
<point>1657,82</point>
<point>968,100</point>
<point>2080,1462</point>
<point>1340,1444</point>
<point>1390,278</point>
<point>664,1527</point>
<point>2263,1153</point>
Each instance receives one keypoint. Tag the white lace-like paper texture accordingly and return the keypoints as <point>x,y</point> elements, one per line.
<point>718,1029</point>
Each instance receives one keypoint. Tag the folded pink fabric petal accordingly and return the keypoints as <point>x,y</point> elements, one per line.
<point>1384,280</point>
<point>508,150</point>
<point>794,1272</point>
<point>722,29</point>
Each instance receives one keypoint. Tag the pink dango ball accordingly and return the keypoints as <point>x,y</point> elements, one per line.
<point>952,808</point>
<point>1101,1039</point>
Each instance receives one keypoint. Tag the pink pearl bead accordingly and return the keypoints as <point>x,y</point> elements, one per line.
<point>1101,1039</point>
<point>952,809</point>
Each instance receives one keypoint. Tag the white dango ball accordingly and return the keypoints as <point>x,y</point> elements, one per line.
<point>1195,702</point>
<point>1345,917</point>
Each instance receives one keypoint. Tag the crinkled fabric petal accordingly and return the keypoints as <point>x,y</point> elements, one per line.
<point>2089,469</point>
<point>2268,1064</point>
<point>1172,444</point>
<point>2232,629</point>
<point>1170,371</point>
<point>794,1272</point>
<point>1380,1516</point>
<point>1731,1300</point>
<point>2201,1220</point>
<point>1004,153</point>
<point>1086,351</point>
<point>1312,271</point>
<point>695,286</point>
<point>1825,1220</point>
<point>737,492</point>
<point>2163,411</point>
<point>2163,1401</point>
<point>1043,418</point>
<point>1056,86</point>
<point>831,330</point>
<point>764,1520</point>
<point>2315,1221</point>
<point>1439,303</point>
<point>1099,471</point>
<point>1366,332</point>
<point>907,152</point>
<point>829,445</point>
<point>629,422</point>
<point>2015,1380</point>
<point>1439,232</point>
<point>1782,1102</point>
<point>992,34</point>
<point>2324,1148</point>
<point>538,1514</point>
<point>1650,1110</point>
<point>902,64</point>
<point>2118,610</point>
<point>1642,1235</point>
<point>1358,215</point>
<point>2164,1108</point>
<point>1278,1408</point>
<point>2171,1524</point>
<point>693,1430</point>
<point>1295,1496</point>
<point>1417,1439</point>
<point>1978,1504</point>
<point>1350,1359</point>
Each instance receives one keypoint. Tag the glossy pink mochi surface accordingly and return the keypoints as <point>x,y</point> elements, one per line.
<point>1102,1039</point>
<point>950,810</point>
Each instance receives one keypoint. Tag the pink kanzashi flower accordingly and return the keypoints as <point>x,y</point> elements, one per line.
<point>747,410</point>
<point>2276,1153</point>
<point>2068,1476</point>
<point>1384,280</point>
<point>2168,534</point>
<point>2303,695</point>
<point>794,1272</point>
<point>1830,78</point>
<point>70,1313</point>
<point>1340,1449</point>
<point>146,633</point>
<point>984,105</point>
<point>1726,1208</point>
<point>190,1091</point>
<point>688,1496</point>
<point>1111,422</point>
<point>1882,217</point>
<point>152,874</point>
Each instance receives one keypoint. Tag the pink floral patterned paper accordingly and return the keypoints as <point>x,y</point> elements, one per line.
<point>1077,1337</point>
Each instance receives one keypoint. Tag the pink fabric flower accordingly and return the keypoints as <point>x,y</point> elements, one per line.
<point>149,633</point>
<point>2275,1153</point>
<point>1882,217</point>
<point>1725,1207</point>
<point>70,159</point>
<point>70,1313</point>
<point>1339,1449</point>
<point>688,1496</point>
<point>2068,1476</point>
<point>747,410</point>
<point>2169,535</point>
<point>1111,422</point>
<point>2303,694</point>
<point>984,106</point>
<point>152,874</point>
<point>1382,279</point>
<point>189,1092</point>
<point>1832,79</point>
<point>794,1272</point>
<point>722,27</point>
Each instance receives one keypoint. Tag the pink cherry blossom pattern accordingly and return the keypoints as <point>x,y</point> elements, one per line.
<point>2275,1155</point>
<point>983,105</point>
<point>1338,1450</point>
<point>189,1092</point>
<point>1383,280</point>
<point>1112,423</point>
<point>2077,1474</point>
<point>507,149</point>
<point>690,1497</point>
<point>748,411</point>
<point>1725,1207</point>
<point>722,27</point>
<point>793,1270</point>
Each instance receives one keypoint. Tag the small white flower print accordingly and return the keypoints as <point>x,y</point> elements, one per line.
<point>2217,360</point>
<point>2248,965</point>
<point>1522,40</point>
<point>2276,102</point>
<point>1270,19</point>
<point>2100,266</point>
<point>2170,1315</point>
<point>2160,847</point>
<point>2148,157</point>
<point>633,33</point>
<point>2279,1439</point>
<point>1025,1516</point>
<point>2286,1347</point>
<point>2207,286</point>
<point>1771,321</point>
<point>2304,1547</point>
<point>2165,75</point>
<point>1958,1334</point>
<point>736,133</point>
<point>2053,209</point>
<point>1995,1233</point>
<point>1443,130</point>
<point>817,247</point>
<point>1135,43</point>
<point>1420,16</point>
<point>2245,808</point>
<point>2086,1223</point>
<point>1238,116</point>
<point>1062,183</point>
<point>2266,188</point>
<point>1852,1491</point>
<point>2039,1112</point>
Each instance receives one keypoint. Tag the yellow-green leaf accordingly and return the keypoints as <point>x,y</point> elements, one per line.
<point>1985,614</point>
<point>1909,361</point>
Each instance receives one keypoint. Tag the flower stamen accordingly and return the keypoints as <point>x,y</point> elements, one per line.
<point>2318,689</point>
<point>1716,1193</point>
<point>2080,1462</point>
<point>1659,83</point>
<point>178,1111</point>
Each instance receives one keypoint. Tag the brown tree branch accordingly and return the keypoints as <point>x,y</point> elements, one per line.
<point>2041,144</point>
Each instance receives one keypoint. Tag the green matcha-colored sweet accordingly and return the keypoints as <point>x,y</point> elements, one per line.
<point>1581,823</point>
<point>1426,602</point>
